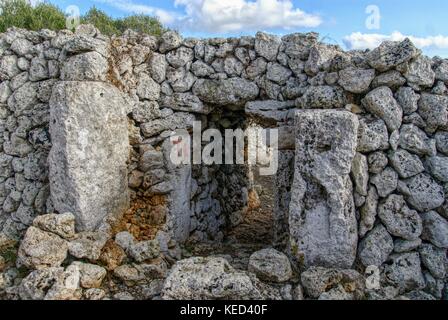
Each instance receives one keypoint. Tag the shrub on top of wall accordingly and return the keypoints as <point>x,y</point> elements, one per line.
<point>21,14</point>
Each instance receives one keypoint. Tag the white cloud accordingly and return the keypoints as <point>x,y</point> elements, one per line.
<point>166,17</point>
<point>224,15</point>
<point>358,40</point>
<point>241,15</point>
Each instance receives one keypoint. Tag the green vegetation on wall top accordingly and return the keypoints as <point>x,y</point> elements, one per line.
<point>20,14</point>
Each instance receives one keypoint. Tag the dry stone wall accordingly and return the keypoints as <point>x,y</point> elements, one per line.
<point>363,159</point>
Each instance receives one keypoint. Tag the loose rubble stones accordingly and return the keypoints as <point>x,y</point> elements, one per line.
<point>270,265</point>
<point>40,249</point>
<point>317,281</point>
<point>207,278</point>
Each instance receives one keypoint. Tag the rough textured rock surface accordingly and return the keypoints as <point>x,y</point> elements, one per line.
<point>322,215</point>
<point>110,165</point>
<point>208,278</point>
<point>90,145</point>
<point>270,265</point>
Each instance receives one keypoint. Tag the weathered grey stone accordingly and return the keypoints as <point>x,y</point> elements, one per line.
<point>392,79</point>
<point>442,142</point>
<point>435,229</point>
<point>180,79</point>
<point>208,278</point>
<point>269,110</point>
<point>401,245</point>
<point>88,245</point>
<point>423,193</point>
<point>318,280</point>
<point>124,239</point>
<point>377,162</point>
<point>234,91</point>
<point>267,45</point>
<point>381,103</point>
<point>61,224</point>
<point>416,141</point>
<point>36,285</point>
<point>418,295</point>
<point>201,69</point>
<point>442,71</point>
<point>438,167</point>
<point>278,73</point>
<point>418,72</point>
<point>322,189</point>
<point>157,67</point>
<point>434,111</point>
<point>399,220</point>
<point>91,275</point>
<point>256,68</point>
<point>23,99</point>
<point>434,259</point>
<point>147,88</point>
<point>372,136</point>
<point>178,120</point>
<point>385,182</point>
<point>375,248</point>
<point>66,286</point>
<point>38,69</point>
<point>185,102</point>
<point>404,272</point>
<point>408,100</point>
<point>297,45</point>
<point>356,80</point>
<point>5,91</point>
<point>360,173</point>
<point>320,58</point>
<point>8,67</point>
<point>390,54</point>
<point>40,249</point>
<point>180,57</point>
<point>21,46</point>
<point>84,43</point>
<point>405,164</point>
<point>324,97</point>
<point>144,250</point>
<point>88,172</point>
<point>90,66</point>
<point>170,40</point>
<point>434,286</point>
<point>368,212</point>
<point>233,67</point>
<point>94,294</point>
<point>270,265</point>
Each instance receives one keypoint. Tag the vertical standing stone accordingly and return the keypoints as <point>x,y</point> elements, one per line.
<point>322,218</point>
<point>282,193</point>
<point>178,199</point>
<point>88,171</point>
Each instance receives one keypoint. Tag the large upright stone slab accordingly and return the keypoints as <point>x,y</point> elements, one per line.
<point>322,220</point>
<point>88,172</point>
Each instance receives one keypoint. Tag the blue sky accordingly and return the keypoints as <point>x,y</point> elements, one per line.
<point>353,24</point>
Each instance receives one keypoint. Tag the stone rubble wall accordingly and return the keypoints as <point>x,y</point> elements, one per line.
<point>363,175</point>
